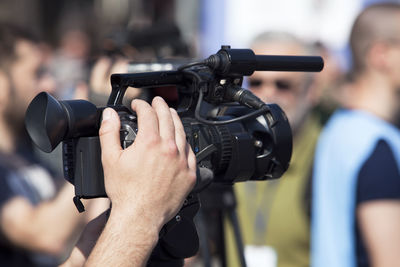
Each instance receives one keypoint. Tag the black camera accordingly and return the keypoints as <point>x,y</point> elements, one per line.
<point>235,136</point>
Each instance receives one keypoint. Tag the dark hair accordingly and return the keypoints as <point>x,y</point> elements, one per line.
<point>9,36</point>
<point>375,23</point>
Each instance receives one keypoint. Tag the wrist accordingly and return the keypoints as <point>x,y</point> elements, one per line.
<point>127,234</point>
<point>136,222</point>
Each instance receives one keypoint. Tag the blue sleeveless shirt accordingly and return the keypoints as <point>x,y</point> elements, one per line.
<point>345,144</point>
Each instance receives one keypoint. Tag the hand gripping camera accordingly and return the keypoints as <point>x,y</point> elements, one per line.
<point>235,136</point>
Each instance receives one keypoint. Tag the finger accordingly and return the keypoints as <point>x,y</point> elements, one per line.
<point>147,118</point>
<point>191,158</point>
<point>165,121</point>
<point>180,136</point>
<point>109,136</point>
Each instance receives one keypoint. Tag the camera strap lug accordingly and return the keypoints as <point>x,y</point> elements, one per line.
<point>78,204</point>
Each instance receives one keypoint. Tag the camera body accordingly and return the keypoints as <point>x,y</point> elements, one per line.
<point>234,135</point>
<point>234,152</point>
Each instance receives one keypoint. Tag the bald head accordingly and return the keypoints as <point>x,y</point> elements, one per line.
<point>377,23</point>
<point>280,38</point>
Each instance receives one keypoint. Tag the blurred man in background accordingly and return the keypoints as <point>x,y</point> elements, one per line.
<point>274,215</point>
<point>36,223</point>
<point>356,182</point>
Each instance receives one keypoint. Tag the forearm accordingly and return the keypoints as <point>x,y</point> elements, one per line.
<point>87,241</point>
<point>46,227</point>
<point>58,221</point>
<point>127,240</point>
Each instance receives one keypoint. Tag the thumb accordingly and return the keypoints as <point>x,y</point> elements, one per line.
<point>109,136</point>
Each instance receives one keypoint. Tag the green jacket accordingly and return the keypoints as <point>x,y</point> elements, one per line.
<point>275,213</point>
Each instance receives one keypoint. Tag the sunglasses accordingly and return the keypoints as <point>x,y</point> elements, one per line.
<point>280,84</point>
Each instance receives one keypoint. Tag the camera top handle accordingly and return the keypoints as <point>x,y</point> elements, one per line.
<point>226,62</point>
<point>120,82</point>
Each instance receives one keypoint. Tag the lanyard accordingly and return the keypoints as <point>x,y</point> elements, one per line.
<point>259,210</point>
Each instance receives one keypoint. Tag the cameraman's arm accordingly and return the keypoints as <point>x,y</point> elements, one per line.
<point>46,227</point>
<point>146,182</point>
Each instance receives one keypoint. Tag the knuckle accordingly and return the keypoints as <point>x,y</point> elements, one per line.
<point>170,148</point>
<point>182,163</point>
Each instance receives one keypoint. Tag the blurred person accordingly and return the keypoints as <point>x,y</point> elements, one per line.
<point>70,62</point>
<point>274,215</point>
<point>356,179</point>
<point>146,183</point>
<point>37,216</point>
<point>69,65</point>
<point>99,81</point>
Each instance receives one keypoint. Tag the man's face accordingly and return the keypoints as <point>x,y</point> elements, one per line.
<point>23,82</point>
<point>391,54</point>
<point>290,90</point>
<point>25,71</point>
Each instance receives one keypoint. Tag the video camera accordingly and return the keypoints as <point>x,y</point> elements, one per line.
<point>235,136</point>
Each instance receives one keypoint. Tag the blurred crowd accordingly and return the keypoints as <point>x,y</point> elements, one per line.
<point>337,204</point>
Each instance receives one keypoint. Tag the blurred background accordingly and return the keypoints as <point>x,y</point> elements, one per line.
<point>75,34</point>
<point>83,30</point>
<point>82,42</point>
<point>201,25</point>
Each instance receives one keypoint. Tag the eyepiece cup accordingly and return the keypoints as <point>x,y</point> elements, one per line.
<point>46,121</point>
